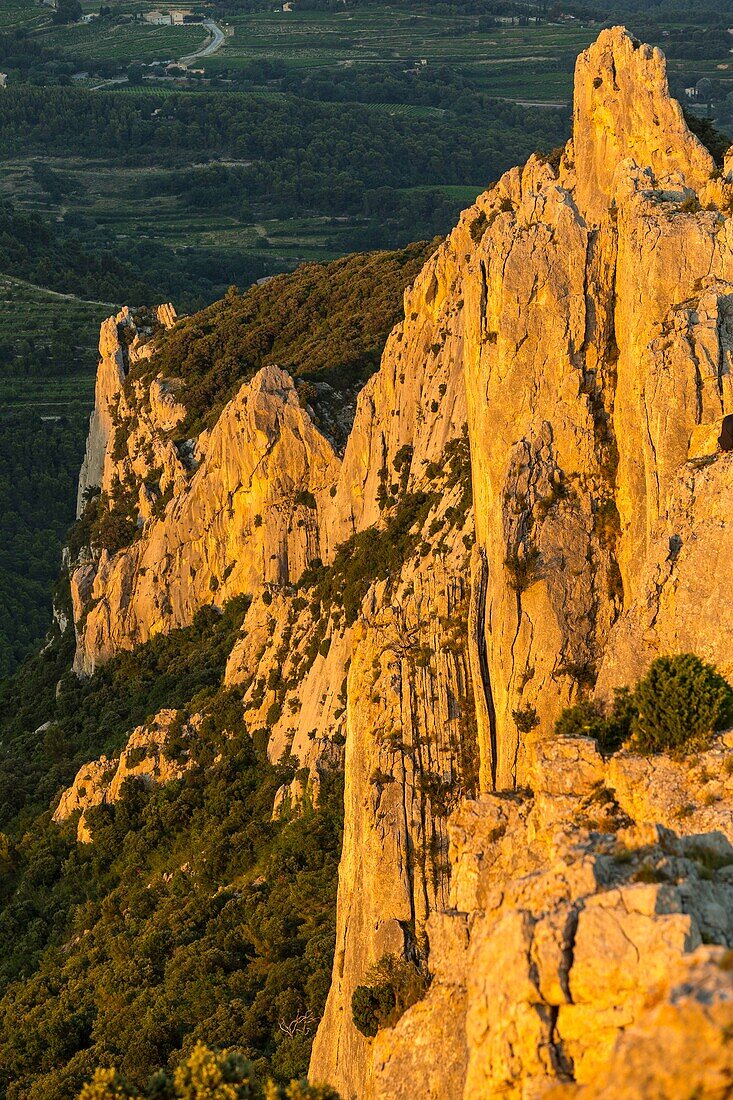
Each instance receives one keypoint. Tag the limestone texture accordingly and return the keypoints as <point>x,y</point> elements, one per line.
<point>143,759</point>
<point>247,514</point>
<point>534,496</point>
<point>581,949</point>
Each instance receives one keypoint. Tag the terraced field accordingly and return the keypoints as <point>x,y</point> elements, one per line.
<point>533,61</point>
<point>36,324</point>
<point>21,13</point>
<point>128,42</point>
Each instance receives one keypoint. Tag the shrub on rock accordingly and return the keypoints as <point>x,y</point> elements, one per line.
<point>676,707</point>
<point>395,984</point>
<point>610,726</point>
<point>680,703</point>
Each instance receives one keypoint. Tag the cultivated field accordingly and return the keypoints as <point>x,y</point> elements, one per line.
<point>35,322</point>
<point>128,42</point>
<point>517,62</point>
<point>21,13</point>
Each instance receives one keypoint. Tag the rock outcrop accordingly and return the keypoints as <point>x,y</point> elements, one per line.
<point>597,339</point>
<point>248,514</point>
<point>115,356</point>
<point>144,759</point>
<point>255,500</point>
<point>624,117</point>
<point>573,938</point>
<point>411,750</point>
<point>530,507</point>
<point>595,345</point>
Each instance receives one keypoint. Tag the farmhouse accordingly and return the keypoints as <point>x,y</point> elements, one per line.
<point>158,18</point>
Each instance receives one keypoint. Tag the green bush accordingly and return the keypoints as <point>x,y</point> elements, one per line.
<point>675,708</point>
<point>205,1074</point>
<point>107,1085</point>
<point>680,703</point>
<point>523,570</point>
<point>371,1007</point>
<point>610,726</point>
<point>478,226</point>
<point>136,756</point>
<point>395,983</point>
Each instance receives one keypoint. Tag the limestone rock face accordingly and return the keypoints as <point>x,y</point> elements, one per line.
<point>114,358</point>
<point>597,342</point>
<point>143,760</point>
<point>690,1014</point>
<point>572,933</point>
<point>110,377</point>
<point>563,366</point>
<point>248,514</point>
<point>263,494</point>
<point>623,112</point>
<point>594,336</point>
<point>292,664</point>
<point>682,604</point>
<point>415,401</point>
<point>411,748</point>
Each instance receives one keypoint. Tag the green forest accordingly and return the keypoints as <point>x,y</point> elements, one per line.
<point>39,470</point>
<point>323,322</point>
<point>34,250</point>
<point>191,916</point>
<point>253,157</point>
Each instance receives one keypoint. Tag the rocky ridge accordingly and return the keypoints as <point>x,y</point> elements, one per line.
<point>566,351</point>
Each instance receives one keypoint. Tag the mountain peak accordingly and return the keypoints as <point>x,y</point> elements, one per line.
<point>623,112</point>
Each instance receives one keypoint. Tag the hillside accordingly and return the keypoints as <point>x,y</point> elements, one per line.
<point>389,740</point>
<point>137,193</point>
<point>47,343</point>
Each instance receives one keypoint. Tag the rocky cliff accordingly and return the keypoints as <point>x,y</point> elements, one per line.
<point>530,507</point>
<point>584,949</point>
<point>598,343</point>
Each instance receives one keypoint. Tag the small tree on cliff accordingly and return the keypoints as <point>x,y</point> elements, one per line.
<point>680,703</point>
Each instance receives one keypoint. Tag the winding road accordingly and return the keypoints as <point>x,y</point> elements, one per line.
<point>209,48</point>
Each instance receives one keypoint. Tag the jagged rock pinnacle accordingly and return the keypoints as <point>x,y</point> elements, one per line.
<point>623,112</point>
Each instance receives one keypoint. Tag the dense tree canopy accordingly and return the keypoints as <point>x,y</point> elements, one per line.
<point>326,322</point>
<point>191,916</point>
<point>39,467</point>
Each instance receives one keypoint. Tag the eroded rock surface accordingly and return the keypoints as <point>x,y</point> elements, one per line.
<point>575,936</point>
<point>145,759</point>
<point>566,353</point>
<point>248,514</point>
